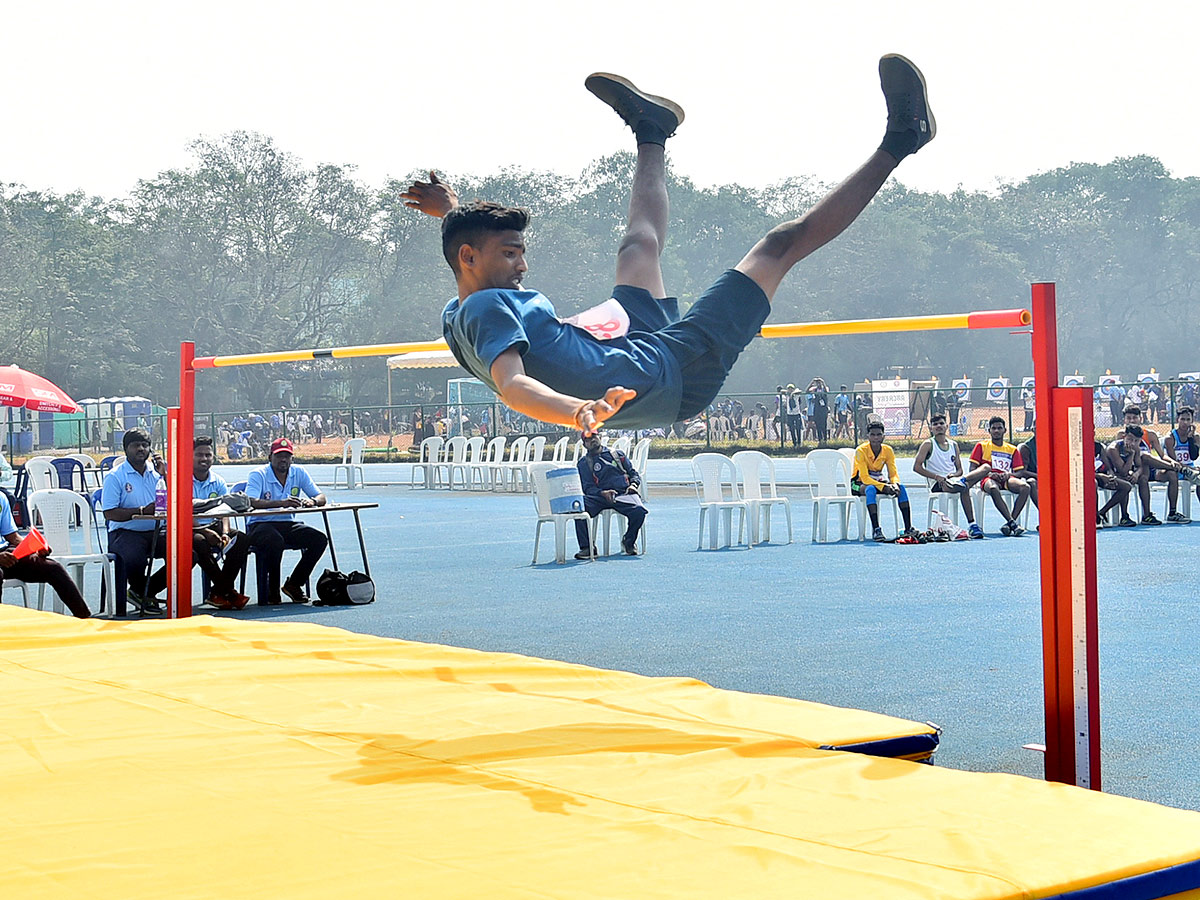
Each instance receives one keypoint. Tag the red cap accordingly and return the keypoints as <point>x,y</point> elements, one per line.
<point>282,444</point>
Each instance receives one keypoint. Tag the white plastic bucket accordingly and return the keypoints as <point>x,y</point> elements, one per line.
<point>564,490</point>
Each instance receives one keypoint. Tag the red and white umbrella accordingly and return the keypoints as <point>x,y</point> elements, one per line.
<point>21,388</point>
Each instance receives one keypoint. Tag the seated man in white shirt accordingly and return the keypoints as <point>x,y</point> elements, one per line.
<point>280,485</point>
<point>938,460</point>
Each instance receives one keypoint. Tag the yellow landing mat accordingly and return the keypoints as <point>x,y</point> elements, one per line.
<point>215,758</point>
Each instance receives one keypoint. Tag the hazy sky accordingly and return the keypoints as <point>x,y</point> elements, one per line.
<point>98,95</point>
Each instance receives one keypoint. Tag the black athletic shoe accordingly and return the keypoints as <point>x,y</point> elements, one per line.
<point>907,101</point>
<point>583,554</point>
<point>633,105</point>
<point>1151,519</point>
<point>630,547</point>
<point>1127,522</point>
<point>294,592</point>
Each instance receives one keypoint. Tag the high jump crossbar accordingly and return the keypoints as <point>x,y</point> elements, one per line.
<point>1068,506</point>
<point>993,318</point>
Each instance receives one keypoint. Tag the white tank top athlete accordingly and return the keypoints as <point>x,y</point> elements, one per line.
<point>941,462</point>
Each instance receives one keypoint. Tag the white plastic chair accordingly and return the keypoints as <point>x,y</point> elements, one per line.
<point>17,584</point>
<point>515,465</point>
<point>427,462</point>
<point>490,467</point>
<point>351,466</point>
<point>829,473</point>
<point>640,457</point>
<point>475,462</point>
<point>751,466</point>
<point>945,502</point>
<point>41,473</point>
<point>541,502</point>
<point>717,493</point>
<point>91,472</point>
<point>53,512</point>
<point>622,443</point>
<point>561,448</point>
<point>455,460</point>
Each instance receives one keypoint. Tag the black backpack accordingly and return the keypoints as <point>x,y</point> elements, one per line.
<point>340,589</point>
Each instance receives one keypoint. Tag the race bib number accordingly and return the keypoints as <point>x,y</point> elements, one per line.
<point>604,322</point>
<point>1002,463</point>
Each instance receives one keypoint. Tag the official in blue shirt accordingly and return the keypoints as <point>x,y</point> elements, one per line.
<point>280,485</point>
<point>129,491</point>
<point>609,482</point>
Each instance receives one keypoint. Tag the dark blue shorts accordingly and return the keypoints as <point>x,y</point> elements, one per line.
<point>707,341</point>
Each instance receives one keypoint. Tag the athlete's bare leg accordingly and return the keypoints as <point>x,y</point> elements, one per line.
<point>646,230</point>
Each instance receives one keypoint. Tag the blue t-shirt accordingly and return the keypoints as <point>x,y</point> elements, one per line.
<point>263,485</point>
<point>7,524</point>
<point>124,488</point>
<point>209,489</point>
<point>564,357</point>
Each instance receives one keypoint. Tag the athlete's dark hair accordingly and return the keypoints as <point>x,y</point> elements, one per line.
<point>469,224</point>
<point>1135,430</point>
<point>937,417</point>
<point>203,441</point>
<point>1184,409</point>
<point>872,424</point>
<point>134,435</point>
<point>994,419</point>
<point>1133,408</point>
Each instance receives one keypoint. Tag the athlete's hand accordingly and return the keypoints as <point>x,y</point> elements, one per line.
<point>591,415</point>
<point>433,197</point>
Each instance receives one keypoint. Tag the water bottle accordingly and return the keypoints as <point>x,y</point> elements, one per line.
<point>160,496</point>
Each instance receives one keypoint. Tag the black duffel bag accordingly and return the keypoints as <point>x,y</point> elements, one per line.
<point>342,589</point>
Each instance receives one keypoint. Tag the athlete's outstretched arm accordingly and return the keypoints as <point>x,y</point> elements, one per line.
<point>529,396</point>
<point>433,197</point>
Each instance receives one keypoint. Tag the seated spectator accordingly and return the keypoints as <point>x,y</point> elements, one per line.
<point>1181,446</point>
<point>211,536</point>
<point>609,482</point>
<point>1106,480</point>
<point>281,485</point>
<point>129,490</point>
<point>1027,471</point>
<point>994,462</point>
<point>1159,466</point>
<point>37,568</point>
<point>867,480</point>
<point>1131,462</point>
<point>938,460</point>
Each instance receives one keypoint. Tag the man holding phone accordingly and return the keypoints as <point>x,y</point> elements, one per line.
<point>129,491</point>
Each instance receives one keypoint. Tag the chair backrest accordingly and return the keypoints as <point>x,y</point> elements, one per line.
<point>569,484</point>
<point>239,487</point>
<point>456,449</point>
<point>830,473</point>
<point>53,512</point>
<point>622,443</point>
<point>475,450</point>
<point>107,464</point>
<point>352,451</point>
<point>70,473</point>
<point>715,477</point>
<point>579,451</point>
<point>561,447</point>
<point>430,448</point>
<point>495,449</point>
<point>41,473</point>
<point>640,456</point>
<point>848,455</point>
<point>87,459</point>
<point>536,449</point>
<point>516,450</point>
<point>751,466</point>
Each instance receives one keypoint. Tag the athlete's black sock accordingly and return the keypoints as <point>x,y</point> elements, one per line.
<point>899,144</point>
<point>649,132</point>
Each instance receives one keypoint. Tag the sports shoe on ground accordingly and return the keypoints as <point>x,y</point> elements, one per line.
<point>877,535</point>
<point>294,592</point>
<point>630,548</point>
<point>1101,522</point>
<point>583,554</point>
<point>1151,519</point>
<point>975,531</point>
<point>911,532</point>
<point>1127,522</point>
<point>219,601</point>
<point>1017,530</point>
<point>907,103</point>
<point>146,606</point>
<point>1006,529</point>
<point>1178,518</point>
<point>635,106</point>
